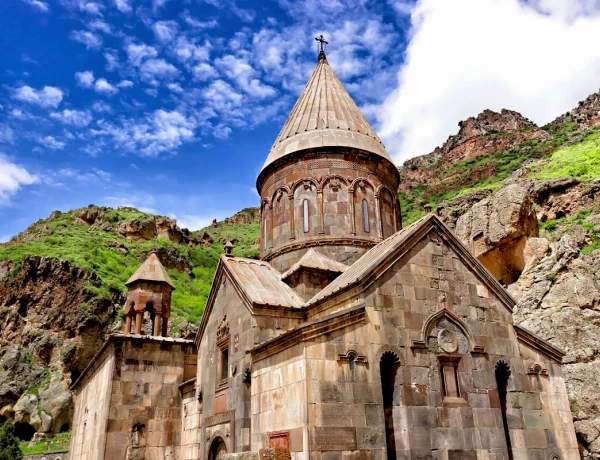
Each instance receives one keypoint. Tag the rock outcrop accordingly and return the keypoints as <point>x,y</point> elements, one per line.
<point>50,327</point>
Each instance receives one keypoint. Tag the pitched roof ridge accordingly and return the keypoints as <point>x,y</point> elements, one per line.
<point>151,270</point>
<point>372,256</point>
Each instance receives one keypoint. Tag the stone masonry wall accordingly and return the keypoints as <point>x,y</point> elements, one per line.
<point>407,320</point>
<point>92,398</point>
<point>335,185</point>
<point>145,403</point>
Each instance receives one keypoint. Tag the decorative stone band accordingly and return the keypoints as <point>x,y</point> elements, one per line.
<point>220,418</point>
<point>537,343</point>
<point>320,241</point>
<point>291,165</point>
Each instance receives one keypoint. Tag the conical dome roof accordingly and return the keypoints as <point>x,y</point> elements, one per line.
<point>151,270</point>
<point>325,116</point>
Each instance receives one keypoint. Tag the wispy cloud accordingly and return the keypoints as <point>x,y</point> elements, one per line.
<point>38,5</point>
<point>77,118</point>
<point>50,142</point>
<point>89,39</point>
<point>48,96</point>
<point>12,178</point>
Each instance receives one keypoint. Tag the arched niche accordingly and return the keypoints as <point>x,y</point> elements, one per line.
<point>389,217</point>
<point>503,374</point>
<point>444,332</point>
<point>336,206</point>
<point>389,373</point>
<point>306,209</point>
<point>281,227</point>
<point>365,208</point>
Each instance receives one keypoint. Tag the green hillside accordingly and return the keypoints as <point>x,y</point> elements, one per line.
<point>567,151</point>
<point>114,259</point>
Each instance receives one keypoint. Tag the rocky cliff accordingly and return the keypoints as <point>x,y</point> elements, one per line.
<point>526,201</point>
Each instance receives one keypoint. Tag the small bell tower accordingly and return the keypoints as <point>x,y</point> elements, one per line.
<point>150,289</point>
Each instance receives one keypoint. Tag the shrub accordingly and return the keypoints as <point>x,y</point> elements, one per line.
<point>9,443</point>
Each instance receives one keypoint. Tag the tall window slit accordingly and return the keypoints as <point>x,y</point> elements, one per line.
<point>365,206</point>
<point>305,214</point>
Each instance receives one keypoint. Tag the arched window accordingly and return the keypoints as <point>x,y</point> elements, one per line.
<point>365,206</point>
<point>305,214</point>
<point>502,375</point>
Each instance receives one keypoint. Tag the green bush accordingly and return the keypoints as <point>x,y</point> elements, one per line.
<point>10,448</point>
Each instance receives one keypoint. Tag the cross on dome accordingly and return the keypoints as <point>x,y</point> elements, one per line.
<point>322,43</point>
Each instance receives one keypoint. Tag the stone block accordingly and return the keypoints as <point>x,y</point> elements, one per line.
<point>370,438</point>
<point>333,438</point>
<point>242,456</point>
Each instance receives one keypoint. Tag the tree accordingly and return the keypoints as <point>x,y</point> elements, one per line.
<point>9,443</point>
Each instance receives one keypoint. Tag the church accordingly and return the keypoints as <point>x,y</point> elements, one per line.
<point>352,338</point>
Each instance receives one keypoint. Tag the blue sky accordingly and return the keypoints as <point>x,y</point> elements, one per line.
<point>168,106</point>
<point>171,106</point>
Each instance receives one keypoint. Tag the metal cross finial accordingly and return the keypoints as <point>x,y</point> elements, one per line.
<point>323,42</point>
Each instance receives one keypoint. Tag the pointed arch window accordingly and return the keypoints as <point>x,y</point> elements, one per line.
<point>265,234</point>
<point>365,207</point>
<point>305,214</point>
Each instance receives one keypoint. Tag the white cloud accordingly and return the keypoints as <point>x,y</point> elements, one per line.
<point>99,24</point>
<point>112,60</point>
<point>50,142</point>
<point>137,53</point>
<point>468,55</point>
<point>192,221</point>
<point>125,84</point>
<point>7,135</point>
<point>102,107</point>
<point>85,79</point>
<point>186,50</point>
<point>243,73</point>
<point>103,87</point>
<point>123,6</point>
<point>77,118</point>
<point>39,5</point>
<point>204,72</point>
<point>158,132</point>
<point>165,30</point>
<point>12,178</point>
<point>157,69</point>
<point>48,96</point>
<point>175,87</point>
<point>193,22</point>
<point>89,39</point>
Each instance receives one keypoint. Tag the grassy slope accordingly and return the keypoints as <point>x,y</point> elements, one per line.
<point>567,153</point>
<point>581,160</point>
<point>89,248</point>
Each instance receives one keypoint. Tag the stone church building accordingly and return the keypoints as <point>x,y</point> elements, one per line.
<point>352,338</point>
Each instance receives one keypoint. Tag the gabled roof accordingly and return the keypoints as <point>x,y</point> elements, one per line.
<point>261,283</point>
<point>378,258</point>
<point>315,260</point>
<point>151,270</point>
<point>325,115</point>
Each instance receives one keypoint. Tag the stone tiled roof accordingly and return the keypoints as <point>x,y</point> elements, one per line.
<point>262,283</point>
<point>325,115</point>
<point>316,260</point>
<point>151,270</point>
<point>368,262</point>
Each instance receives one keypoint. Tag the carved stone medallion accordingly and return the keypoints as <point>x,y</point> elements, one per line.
<point>447,341</point>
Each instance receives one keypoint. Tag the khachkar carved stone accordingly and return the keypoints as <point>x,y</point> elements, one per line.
<point>223,329</point>
<point>447,341</point>
<point>274,453</point>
